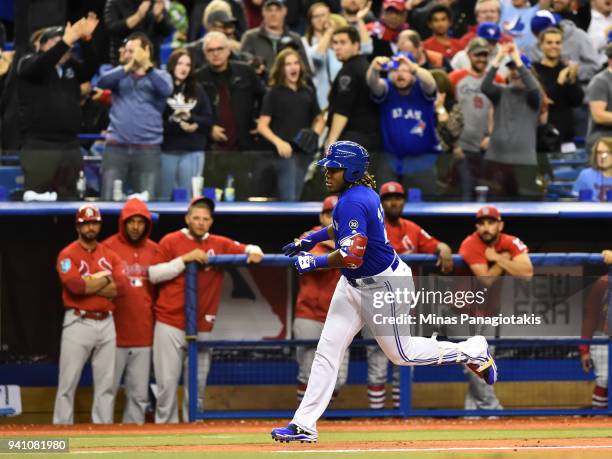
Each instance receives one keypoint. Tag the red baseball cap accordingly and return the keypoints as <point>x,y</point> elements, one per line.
<point>399,5</point>
<point>209,202</point>
<point>88,213</point>
<point>329,203</point>
<point>488,212</point>
<point>392,188</point>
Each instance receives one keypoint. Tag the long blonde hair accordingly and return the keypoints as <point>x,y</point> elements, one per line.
<point>593,157</point>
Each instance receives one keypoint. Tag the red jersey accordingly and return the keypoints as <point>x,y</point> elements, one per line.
<point>408,237</point>
<point>316,288</point>
<point>448,50</point>
<point>75,262</point>
<point>134,308</point>
<point>170,305</point>
<point>472,248</point>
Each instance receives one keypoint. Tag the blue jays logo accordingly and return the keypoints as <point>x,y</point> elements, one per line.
<point>419,128</point>
<point>65,265</point>
<point>353,224</point>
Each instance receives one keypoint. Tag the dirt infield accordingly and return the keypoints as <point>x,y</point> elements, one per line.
<point>362,425</point>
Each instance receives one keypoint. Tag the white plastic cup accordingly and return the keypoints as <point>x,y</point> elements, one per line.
<point>117,190</point>
<point>197,184</point>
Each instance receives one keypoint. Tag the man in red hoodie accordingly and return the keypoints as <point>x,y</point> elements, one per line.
<point>134,308</point>
<point>91,276</point>
<point>191,244</point>
<point>314,298</point>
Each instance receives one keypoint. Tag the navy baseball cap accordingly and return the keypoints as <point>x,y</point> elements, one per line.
<point>543,19</point>
<point>488,31</point>
<point>209,202</point>
<point>280,3</point>
<point>51,32</point>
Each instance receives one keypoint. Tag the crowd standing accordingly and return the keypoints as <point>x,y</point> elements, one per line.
<point>167,81</point>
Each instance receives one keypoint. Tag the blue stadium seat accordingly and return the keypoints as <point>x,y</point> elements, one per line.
<point>11,177</point>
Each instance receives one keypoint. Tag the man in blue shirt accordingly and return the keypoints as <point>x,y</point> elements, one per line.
<point>371,291</point>
<point>407,121</point>
<point>136,128</point>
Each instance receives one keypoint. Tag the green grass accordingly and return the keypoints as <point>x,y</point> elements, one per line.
<point>334,439</point>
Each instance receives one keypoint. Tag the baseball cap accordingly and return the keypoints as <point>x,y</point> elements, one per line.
<point>488,212</point>
<point>220,16</point>
<point>209,202</point>
<point>274,2</point>
<point>543,19</point>
<point>51,32</point>
<point>329,203</point>
<point>88,213</point>
<point>391,188</point>
<point>399,5</point>
<point>478,45</point>
<point>488,31</point>
<point>524,58</point>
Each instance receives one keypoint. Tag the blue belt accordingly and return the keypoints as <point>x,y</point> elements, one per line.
<point>365,281</point>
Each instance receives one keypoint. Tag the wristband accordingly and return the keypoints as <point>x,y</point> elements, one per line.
<point>321,261</point>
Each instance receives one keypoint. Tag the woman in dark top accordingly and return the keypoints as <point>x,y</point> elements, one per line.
<point>290,106</point>
<point>187,120</point>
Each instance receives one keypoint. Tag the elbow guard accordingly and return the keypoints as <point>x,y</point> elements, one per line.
<point>353,249</point>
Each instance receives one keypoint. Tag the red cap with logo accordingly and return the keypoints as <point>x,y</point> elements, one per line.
<point>488,212</point>
<point>88,213</point>
<point>209,202</point>
<point>399,5</point>
<point>392,188</point>
<point>329,203</point>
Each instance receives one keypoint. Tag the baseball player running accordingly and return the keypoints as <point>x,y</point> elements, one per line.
<point>191,244</point>
<point>134,308</point>
<point>406,237</point>
<point>370,269</point>
<point>91,276</point>
<point>313,300</point>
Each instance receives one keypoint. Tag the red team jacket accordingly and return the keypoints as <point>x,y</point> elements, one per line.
<point>134,308</point>
<point>74,262</point>
<point>472,248</point>
<point>316,288</point>
<point>170,305</point>
<point>408,237</point>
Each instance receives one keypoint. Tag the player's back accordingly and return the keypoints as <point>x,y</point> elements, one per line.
<point>359,211</point>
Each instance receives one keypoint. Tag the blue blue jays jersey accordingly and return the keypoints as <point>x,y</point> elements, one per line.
<point>408,122</point>
<point>359,211</point>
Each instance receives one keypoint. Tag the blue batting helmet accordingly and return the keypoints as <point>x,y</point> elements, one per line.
<point>347,155</point>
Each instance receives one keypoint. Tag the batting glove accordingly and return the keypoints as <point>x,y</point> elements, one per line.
<point>297,246</point>
<point>307,262</point>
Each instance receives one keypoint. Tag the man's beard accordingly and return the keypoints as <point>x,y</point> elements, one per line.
<point>89,236</point>
<point>489,238</point>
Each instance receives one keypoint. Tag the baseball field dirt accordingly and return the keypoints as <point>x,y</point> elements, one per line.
<point>524,438</point>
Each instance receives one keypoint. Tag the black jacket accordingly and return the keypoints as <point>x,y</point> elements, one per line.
<point>246,92</point>
<point>115,14</point>
<point>175,138</point>
<point>49,105</point>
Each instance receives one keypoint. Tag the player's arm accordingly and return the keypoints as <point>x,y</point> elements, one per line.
<point>307,242</point>
<point>445,257</point>
<point>349,255</point>
<point>77,284</point>
<point>165,271</point>
<point>518,266</point>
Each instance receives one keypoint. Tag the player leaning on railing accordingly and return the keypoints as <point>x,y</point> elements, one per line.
<point>369,266</point>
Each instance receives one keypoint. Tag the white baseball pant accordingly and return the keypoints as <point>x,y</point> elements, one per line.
<point>350,308</point>
<point>135,362</point>
<point>169,361</point>
<point>311,329</point>
<point>82,338</point>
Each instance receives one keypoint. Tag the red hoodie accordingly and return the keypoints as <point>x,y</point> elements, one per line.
<point>134,308</point>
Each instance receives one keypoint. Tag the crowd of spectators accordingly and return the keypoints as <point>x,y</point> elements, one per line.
<point>447,95</point>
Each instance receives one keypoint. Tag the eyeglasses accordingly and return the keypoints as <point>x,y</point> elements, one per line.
<point>215,50</point>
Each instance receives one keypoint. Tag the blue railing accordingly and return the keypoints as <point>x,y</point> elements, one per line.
<point>405,408</point>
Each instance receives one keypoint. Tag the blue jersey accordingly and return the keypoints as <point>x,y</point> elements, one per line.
<point>408,122</point>
<point>359,211</point>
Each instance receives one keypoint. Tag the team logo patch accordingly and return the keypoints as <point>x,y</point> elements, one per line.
<point>65,265</point>
<point>353,224</point>
<point>344,82</point>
